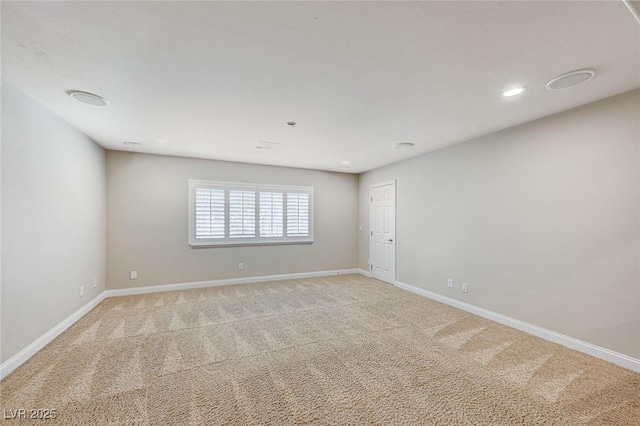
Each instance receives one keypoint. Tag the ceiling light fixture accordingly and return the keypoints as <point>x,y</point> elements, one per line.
<point>513,92</point>
<point>88,98</point>
<point>403,145</point>
<point>570,79</point>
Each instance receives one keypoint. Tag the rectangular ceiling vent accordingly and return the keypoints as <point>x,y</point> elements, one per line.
<point>269,146</point>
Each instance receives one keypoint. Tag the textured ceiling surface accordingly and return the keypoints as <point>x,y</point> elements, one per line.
<point>216,79</point>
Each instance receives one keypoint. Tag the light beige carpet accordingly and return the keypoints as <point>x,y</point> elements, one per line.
<point>338,350</point>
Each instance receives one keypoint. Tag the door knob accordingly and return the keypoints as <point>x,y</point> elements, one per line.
<point>390,240</point>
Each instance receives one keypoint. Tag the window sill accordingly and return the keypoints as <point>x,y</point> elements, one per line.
<point>247,244</point>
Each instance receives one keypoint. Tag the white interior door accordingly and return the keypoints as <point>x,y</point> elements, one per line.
<point>383,232</point>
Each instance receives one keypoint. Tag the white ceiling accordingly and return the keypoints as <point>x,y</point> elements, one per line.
<point>212,79</point>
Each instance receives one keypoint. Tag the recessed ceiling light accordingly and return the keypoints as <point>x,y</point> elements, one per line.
<point>345,162</point>
<point>88,98</point>
<point>513,92</point>
<point>132,143</point>
<point>570,79</point>
<point>403,145</point>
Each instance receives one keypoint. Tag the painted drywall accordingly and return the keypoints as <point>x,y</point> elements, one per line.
<point>148,212</point>
<point>542,221</point>
<point>53,220</point>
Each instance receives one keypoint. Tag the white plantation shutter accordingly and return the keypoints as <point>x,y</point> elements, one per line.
<point>209,213</point>
<point>271,214</point>
<point>242,214</point>
<point>298,214</point>
<point>226,213</point>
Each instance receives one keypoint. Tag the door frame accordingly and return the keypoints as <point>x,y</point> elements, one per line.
<point>395,195</point>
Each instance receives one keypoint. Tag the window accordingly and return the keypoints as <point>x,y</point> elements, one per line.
<point>272,214</point>
<point>226,213</point>
<point>297,214</point>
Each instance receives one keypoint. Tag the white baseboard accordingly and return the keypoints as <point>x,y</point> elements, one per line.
<point>364,272</point>
<point>18,359</point>
<point>569,342</point>
<point>229,281</point>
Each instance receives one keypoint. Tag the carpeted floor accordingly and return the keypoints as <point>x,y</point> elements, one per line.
<point>335,350</point>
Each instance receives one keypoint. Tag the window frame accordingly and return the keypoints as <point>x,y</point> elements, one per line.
<point>228,241</point>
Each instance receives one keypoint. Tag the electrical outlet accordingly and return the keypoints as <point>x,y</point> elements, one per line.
<point>95,283</point>
<point>134,275</point>
<point>464,287</point>
<point>81,290</point>
<point>450,283</point>
<point>240,266</point>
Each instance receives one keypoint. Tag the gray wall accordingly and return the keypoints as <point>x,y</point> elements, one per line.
<point>147,222</point>
<point>541,220</point>
<point>53,220</point>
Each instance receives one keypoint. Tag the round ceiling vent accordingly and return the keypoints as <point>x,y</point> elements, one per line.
<point>570,79</point>
<point>88,98</point>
